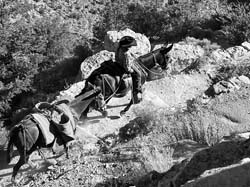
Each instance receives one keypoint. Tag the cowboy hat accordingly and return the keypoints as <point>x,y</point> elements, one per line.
<point>127,41</point>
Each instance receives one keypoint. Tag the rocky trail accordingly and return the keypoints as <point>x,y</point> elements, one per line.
<point>169,93</point>
<point>166,136</point>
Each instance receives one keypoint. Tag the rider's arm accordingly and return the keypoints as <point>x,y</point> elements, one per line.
<point>129,60</point>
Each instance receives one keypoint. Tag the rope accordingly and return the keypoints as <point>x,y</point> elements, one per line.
<point>114,91</point>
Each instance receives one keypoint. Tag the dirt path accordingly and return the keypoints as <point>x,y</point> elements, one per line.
<point>168,92</point>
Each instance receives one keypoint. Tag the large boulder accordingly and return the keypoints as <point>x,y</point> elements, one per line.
<point>71,92</point>
<point>93,62</point>
<point>183,54</point>
<point>232,55</point>
<point>112,39</point>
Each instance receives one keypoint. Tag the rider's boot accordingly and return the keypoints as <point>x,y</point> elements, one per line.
<point>137,97</point>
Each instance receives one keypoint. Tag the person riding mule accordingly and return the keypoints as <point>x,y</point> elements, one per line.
<point>112,81</point>
<point>128,62</point>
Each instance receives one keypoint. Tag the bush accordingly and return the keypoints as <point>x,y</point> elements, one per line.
<point>156,157</point>
<point>33,43</point>
<point>238,30</point>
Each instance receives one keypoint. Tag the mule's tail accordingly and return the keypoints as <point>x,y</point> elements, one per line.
<point>10,150</point>
<point>10,146</point>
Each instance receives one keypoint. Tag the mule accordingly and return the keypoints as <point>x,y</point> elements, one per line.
<point>27,137</point>
<point>112,81</point>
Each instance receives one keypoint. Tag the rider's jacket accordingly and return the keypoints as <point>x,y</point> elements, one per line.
<point>125,59</point>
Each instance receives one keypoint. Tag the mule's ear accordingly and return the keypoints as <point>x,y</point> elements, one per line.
<point>167,49</point>
<point>170,47</point>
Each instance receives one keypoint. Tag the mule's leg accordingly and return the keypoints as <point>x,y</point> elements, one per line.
<point>105,113</point>
<point>53,146</point>
<point>32,164</point>
<point>84,115</point>
<point>66,148</point>
<point>126,108</point>
<point>16,168</point>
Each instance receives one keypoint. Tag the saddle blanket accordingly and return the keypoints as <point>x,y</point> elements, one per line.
<point>44,125</point>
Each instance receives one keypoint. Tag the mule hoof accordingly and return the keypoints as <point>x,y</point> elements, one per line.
<point>33,165</point>
<point>122,113</point>
<point>13,180</point>
<point>105,114</point>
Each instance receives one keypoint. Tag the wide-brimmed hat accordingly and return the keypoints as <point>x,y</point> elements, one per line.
<point>127,41</point>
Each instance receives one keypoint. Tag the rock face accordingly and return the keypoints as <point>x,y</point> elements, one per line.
<point>112,39</point>
<point>224,164</point>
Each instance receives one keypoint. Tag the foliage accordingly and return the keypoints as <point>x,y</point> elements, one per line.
<point>39,40</point>
<point>200,123</point>
<point>156,157</point>
<point>218,21</point>
<point>34,41</point>
<point>238,30</point>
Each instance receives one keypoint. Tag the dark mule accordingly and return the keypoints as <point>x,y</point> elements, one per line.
<point>27,137</point>
<point>112,82</point>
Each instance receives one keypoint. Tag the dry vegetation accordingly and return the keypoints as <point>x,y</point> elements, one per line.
<point>151,136</point>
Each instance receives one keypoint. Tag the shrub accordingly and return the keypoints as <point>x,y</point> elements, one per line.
<point>33,42</point>
<point>156,157</point>
<point>238,30</point>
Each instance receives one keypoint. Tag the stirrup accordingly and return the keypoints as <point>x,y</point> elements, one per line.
<point>137,99</point>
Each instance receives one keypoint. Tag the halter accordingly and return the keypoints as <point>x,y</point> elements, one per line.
<point>155,61</point>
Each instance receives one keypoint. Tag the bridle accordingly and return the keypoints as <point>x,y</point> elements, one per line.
<point>155,61</point>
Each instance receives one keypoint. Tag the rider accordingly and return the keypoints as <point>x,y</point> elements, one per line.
<point>124,56</point>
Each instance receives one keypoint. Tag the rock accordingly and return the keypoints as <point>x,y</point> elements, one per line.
<point>236,137</point>
<point>93,62</point>
<point>246,45</point>
<point>233,55</point>
<point>221,87</point>
<point>236,175</point>
<point>220,55</point>
<point>244,79</point>
<point>72,91</point>
<point>112,39</point>
<point>224,164</point>
<point>236,52</point>
<point>221,155</point>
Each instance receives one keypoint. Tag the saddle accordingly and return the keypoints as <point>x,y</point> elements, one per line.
<point>59,115</point>
<point>108,67</point>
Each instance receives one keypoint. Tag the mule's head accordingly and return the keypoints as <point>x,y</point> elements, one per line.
<point>163,56</point>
